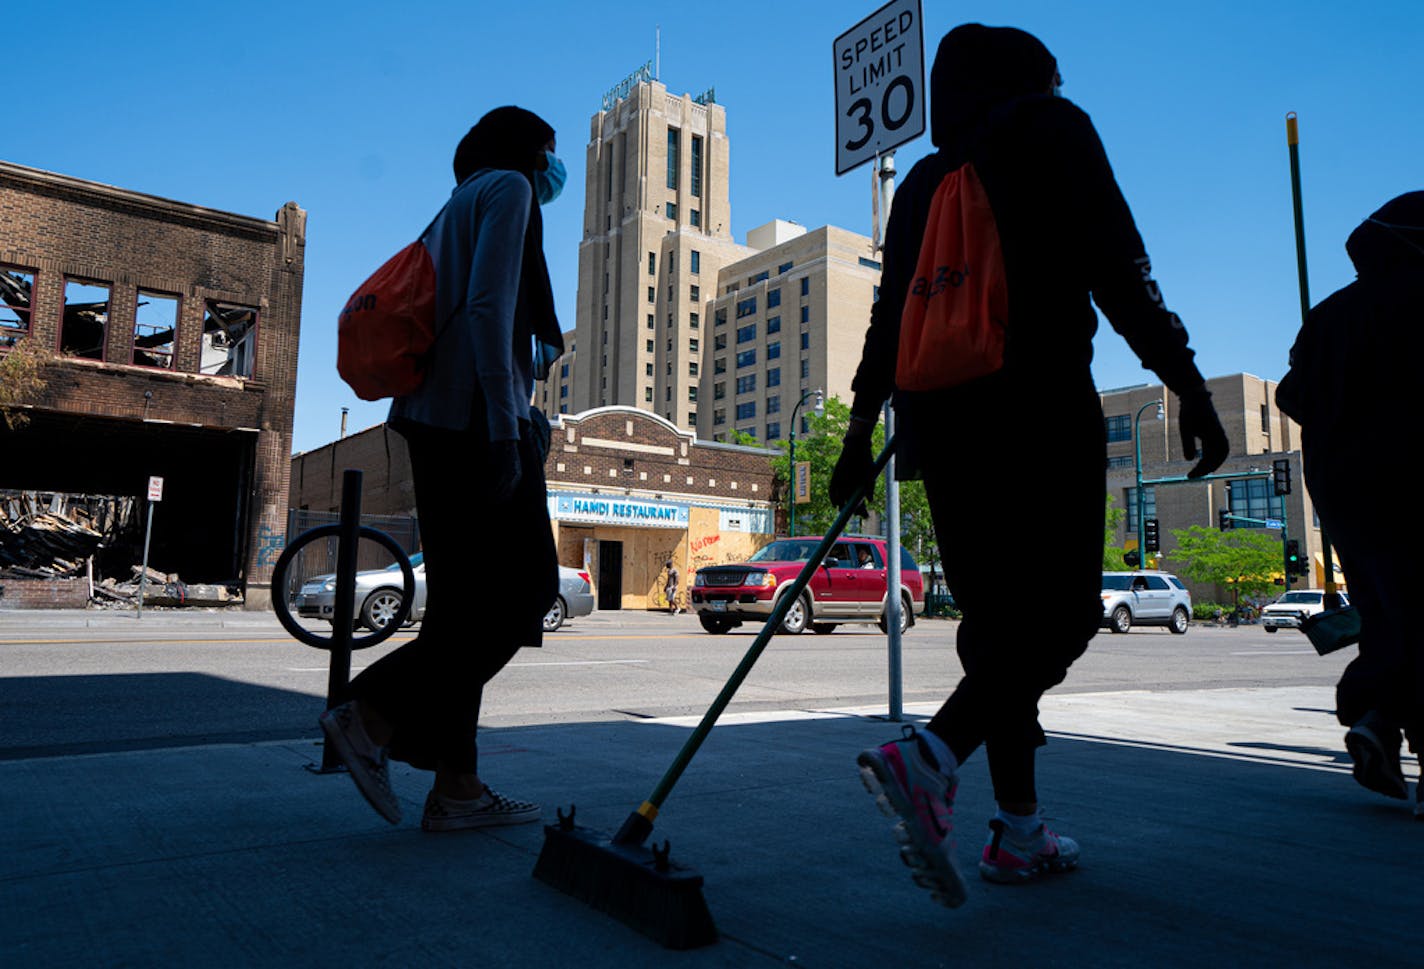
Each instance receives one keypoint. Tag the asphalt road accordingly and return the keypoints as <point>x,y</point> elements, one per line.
<point>70,689</point>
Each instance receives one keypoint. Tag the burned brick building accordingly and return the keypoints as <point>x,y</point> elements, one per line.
<point>164,339</point>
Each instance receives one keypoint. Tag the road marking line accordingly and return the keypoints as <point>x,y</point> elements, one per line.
<point>1276,652</point>
<point>162,642</point>
<point>589,662</point>
<point>319,669</point>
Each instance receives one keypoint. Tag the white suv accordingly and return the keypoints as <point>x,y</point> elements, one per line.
<point>1292,607</point>
<point>1145,599</point>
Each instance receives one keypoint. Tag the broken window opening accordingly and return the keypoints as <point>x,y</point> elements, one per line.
<point>155,330</point>
<point>86,319</point>
<point>17,287</point>
<point>229,339</point>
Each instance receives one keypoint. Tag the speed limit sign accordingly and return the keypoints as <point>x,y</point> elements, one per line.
<point>880,84</point>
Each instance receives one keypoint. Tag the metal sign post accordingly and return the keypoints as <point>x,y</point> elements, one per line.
<point>880,105</point>
<point>155,495</point>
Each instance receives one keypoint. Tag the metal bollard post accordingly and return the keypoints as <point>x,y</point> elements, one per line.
<point>344,609</point>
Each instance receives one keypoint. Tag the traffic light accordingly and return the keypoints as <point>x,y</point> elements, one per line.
<point>1132,558</point>
<point>1150,536</point>
<point>1295,565</point>
<point>1280,476</point>
<point>1223,519</point>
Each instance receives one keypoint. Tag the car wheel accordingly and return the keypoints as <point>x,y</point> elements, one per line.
<point>713,625</point>
<point>1121,619</point>
<point>380,608</point>
<point>1180,621</point>
<point>554,618</point>
<point>798,617</point>
<point>1270,629</point>
<point>905,609</point>
<point>823,628</point>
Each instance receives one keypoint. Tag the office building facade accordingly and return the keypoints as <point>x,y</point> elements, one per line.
<point>788,319</point>
<point>1259,435</point>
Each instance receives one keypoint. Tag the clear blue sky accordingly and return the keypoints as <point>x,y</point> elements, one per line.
<point>353,111</point>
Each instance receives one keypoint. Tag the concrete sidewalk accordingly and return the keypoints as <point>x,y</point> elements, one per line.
<point>1218,827</point>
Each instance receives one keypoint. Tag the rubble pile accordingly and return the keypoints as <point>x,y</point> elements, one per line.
<point>165,589</point>
<point>50,536</point>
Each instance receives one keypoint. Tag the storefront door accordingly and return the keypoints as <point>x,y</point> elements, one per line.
<point>610,574</point>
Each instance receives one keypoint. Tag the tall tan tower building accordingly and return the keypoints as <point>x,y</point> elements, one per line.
<point>657,230</point>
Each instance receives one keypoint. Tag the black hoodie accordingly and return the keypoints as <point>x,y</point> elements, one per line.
<point>1355,363</point>
<point>1066,231</point>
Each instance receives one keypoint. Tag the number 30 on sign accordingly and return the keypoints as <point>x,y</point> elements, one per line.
<point>880,83</point>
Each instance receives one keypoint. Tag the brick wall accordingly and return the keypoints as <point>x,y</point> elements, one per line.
<point>588,451</point>
<point>625,448</point>
<point>59,228</point>
<point>44,593</point>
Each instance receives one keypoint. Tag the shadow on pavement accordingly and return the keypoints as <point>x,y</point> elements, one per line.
<point>233,855</point>
<point>48,716</point>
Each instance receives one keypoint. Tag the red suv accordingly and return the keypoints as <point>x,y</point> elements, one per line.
<point>850,586</point>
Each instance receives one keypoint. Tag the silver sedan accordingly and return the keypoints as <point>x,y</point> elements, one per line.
<point>378,595</point>
<point>575,598</point>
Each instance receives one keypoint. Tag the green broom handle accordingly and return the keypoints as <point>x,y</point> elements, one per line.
<point>640,824</point>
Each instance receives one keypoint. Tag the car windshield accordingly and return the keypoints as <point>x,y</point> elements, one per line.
<point>1117,583</point>
<point>785,551</point>
<point>1306,597</point>
<point>415,560</point>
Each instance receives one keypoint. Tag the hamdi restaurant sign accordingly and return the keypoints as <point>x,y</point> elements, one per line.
<point>612,510</point>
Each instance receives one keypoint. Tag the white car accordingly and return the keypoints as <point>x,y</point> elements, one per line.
<point>1145,599</point>
<point>1288,611</point>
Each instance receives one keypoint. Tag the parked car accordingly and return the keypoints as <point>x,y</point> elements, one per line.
<point>849,587</point>
<point>378,595</point>
<point>1294,606</point>
<point>575,598</point>
<point>1145,599</point>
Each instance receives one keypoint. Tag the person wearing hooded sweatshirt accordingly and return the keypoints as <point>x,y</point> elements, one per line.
<point>1068,240</point>
<point>1353,366</point>
<point>477,453</point>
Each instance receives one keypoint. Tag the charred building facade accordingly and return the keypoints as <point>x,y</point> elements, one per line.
<point>163,339</point>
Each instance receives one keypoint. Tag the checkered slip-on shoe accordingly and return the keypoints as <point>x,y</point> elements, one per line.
<point>363,758</point>
<point>490,809</point>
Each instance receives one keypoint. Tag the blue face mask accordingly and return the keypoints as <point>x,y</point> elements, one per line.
<point>550,182</point>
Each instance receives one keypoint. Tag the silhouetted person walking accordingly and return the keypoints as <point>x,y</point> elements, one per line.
<point>1057,233</point>
<point>477,456</point>
<point>1353,388</point>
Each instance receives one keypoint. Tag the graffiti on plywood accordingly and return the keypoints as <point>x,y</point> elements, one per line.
<point>704,552</point>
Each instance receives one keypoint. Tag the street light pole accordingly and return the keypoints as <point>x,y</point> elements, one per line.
<point>818,409</point>
<point>1137,464</point>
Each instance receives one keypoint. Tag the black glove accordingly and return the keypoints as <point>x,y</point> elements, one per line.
<point>505,470</point>
<point>856,466</point>
<point>1198,421</point>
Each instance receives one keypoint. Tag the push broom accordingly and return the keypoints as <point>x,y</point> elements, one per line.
<point>640,885</point>
<point>1336,626</point>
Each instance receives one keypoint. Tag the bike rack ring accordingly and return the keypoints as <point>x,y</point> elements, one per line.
<point>301,633</point>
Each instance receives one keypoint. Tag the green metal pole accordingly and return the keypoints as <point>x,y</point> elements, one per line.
<point>791,470</point>
<point>1332,598</point>
<point>1137,464</point>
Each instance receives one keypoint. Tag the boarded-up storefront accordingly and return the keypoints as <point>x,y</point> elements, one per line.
<point>630,492</point>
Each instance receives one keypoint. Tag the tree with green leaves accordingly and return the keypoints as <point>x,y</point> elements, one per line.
<point>821,447</point>
<point>1246,560</point>
<point>1112,552</point>
<point>22,380</point>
